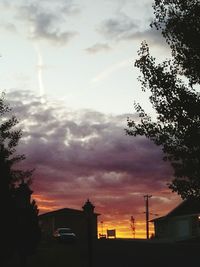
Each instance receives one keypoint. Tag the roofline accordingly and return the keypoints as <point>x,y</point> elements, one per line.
<point>177,207</point>
<point>158,219</point>
<point>169,217</point>
<point>170,213</point>
<point>63,209</point>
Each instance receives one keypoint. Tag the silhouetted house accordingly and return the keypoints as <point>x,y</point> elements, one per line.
<point>77,220</point>
<point>181,223</point>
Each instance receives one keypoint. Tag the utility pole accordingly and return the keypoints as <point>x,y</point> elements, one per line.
<point>102,228</point>
<point>146,198</point>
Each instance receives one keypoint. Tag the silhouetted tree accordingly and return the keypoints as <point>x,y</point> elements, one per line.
<point>173,96</point>
<point>132,225</point>
<point>28,231</point>
<point>10,181</point>
<point>179,22</point>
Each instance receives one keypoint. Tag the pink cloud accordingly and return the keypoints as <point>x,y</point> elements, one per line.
<point>86,154</point>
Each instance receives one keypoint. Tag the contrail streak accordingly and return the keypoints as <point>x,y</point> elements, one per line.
<point>40,67</point>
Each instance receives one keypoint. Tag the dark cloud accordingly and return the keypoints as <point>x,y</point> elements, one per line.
<point>45,20</point>
<point>123,28</point>
<point>118,28</point>
<point>84,153</point>
<point>98,47</point>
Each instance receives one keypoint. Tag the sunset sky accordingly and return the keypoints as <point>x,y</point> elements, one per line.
<point>67,67</point>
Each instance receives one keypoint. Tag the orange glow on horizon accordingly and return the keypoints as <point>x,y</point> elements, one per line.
<point>117,221</point>
<point>123,229</point>
<point>45,204</point>
<point>41,198</point>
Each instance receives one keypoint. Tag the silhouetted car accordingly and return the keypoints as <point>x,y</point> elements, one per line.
<point>64,235</point>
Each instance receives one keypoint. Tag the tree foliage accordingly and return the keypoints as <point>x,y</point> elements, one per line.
<point>179,22</point>
<point>177,104</point>
<point>9,139</point>
<point>11,179</point>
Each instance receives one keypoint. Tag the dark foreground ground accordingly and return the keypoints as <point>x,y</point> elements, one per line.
<point>115,253</point>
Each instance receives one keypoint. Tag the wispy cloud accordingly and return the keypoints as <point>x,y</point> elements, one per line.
<point>98,47</point>
<point>7,26</point>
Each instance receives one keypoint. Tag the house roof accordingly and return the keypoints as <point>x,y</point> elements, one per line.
<point>187,207</point>
<point>63,211</point>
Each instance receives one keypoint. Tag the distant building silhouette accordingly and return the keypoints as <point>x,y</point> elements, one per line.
<point>77,220</point>
<point>182,223</point>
